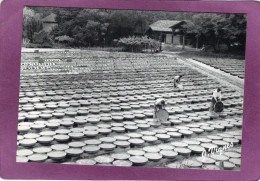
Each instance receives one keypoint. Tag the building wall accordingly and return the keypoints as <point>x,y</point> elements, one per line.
<point>49,26</point>
<point>176,40</point>
<point>168,38</point>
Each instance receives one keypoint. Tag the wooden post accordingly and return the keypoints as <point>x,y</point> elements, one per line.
<point>160,41</point>
<point>172,35</point>
<point>197,42</point>
<point>183,41</point>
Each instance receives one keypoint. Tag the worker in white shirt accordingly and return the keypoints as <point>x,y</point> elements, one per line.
<point>177,80</point>
<point>215,98</point>
<point>159,104</point>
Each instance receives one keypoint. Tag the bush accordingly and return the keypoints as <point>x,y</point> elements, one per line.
<point>138,44</point>
<point>31,45</point>
<point>64,39</point>
<point>42,39</point>
<point>25,42</point>
<point>44,45</point>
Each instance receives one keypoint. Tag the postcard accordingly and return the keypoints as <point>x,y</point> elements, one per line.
<point>129,90</point>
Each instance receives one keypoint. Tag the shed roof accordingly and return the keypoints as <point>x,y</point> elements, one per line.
<point>164,25</point>
<point>51,18</point>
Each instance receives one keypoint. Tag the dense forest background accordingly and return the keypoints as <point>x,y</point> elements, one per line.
<point>77,27</point>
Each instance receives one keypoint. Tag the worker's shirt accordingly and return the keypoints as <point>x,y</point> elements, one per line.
<point>217,95</point>
<point>159,102</point>
<point>177,79</point>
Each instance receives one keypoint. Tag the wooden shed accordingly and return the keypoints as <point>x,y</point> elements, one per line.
<point>167,31</point>
<point>49,22</point>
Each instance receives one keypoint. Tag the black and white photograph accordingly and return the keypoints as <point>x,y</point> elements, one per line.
<point>131,88</point>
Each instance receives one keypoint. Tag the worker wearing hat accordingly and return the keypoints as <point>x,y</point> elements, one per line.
<point>177,80</point>
<point>215,98</point>
<point>159,104</point>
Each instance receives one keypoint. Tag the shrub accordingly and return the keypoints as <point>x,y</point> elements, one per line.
<point>25,42</point>
<point>33,45</point>
<point>64,39</point>
<point>42,39</point>
<point>138,44</point>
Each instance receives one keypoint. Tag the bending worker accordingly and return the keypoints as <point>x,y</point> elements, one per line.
<point>215,98</point>
<point>177,80</point>
<point>159,104</point>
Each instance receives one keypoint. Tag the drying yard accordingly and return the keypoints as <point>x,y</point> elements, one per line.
<point>96,108</point>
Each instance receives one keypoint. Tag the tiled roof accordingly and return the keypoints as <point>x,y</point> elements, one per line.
<point>164,25</point>
<point>51,18</point>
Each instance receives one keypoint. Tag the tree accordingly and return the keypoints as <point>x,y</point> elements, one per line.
<point>42,39</point>
<point>99,27</point>
<point>229,29</point>
<point>192,28</point>
<point>31,23</point>
<point>88,27</point>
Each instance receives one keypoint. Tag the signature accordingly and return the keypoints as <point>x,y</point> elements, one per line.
<point>216,150</point>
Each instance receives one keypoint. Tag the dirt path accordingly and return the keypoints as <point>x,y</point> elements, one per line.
<point>216,74</point>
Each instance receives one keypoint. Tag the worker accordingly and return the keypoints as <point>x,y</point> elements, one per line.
<point>216,97</point>
<point>177,80</point>
<point>203,49</point>
<point>159,104</point>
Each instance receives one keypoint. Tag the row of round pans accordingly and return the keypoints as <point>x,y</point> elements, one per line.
<point>72,89</point>
<point>197,145</point>
<point>125,125</point>
<point>70,117</point>
<point>89,100</point>
<point>137,139</point>
<point>136,157</point>
<point>127,79</point>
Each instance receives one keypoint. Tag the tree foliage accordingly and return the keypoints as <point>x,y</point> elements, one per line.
<point>31,23</point>
<point>64,39</point>
<point>101,27</point>
<point>214,29</point>
<point>138,44</point>
<point>42,39</point>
